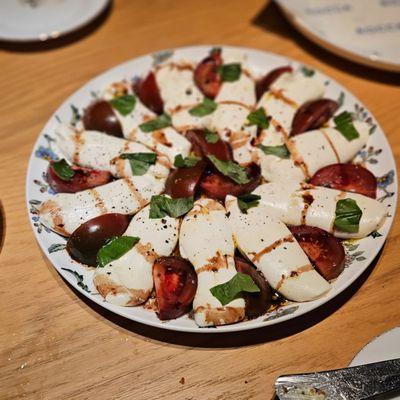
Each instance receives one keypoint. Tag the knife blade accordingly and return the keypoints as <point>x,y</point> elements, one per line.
<point>354,383</point>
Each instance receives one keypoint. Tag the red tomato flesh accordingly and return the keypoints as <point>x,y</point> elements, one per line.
<point>201,147</point>
<point>264,83</point>
<point>149,94</point>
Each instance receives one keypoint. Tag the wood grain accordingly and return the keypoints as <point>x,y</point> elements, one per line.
<point>54,344</point>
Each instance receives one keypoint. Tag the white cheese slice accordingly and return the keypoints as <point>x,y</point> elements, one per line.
<point>183,121</point>
<point>242,91</point>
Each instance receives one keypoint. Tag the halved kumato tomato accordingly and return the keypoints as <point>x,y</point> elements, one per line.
<point>325,251</point>
<point>264,83</point>
<point>256,303</point>
<point>206,75</point>
<point>347,177</point>
<point>218,186</point>
<point>83,179</point>
<point>86,240</point>
<point>100,116</point>
<point>183,182</point>
<point>175,282</point>
<point>313,115</point>
<point>149,94</point>
<point>201,147</point>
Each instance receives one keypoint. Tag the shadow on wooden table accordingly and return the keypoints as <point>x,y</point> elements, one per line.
<point>271,19</point>
<point>222,340</point>
<point>64,40</point>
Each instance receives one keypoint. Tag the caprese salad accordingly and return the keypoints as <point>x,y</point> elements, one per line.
<point>212,191</point>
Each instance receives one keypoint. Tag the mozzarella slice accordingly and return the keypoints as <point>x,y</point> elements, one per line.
<point>183,121</point>
<point>242,91</point>
<point>205,239</point>
<point>177,87</point>
<point>275,252</point>
<point>97,150</point>
<point>64,212</point>
<point>128,281</point>
<point>317,207</point>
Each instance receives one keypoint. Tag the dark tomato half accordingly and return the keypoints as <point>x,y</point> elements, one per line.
<point>201,147</point>
<point>175,282</point>
<point>264,83</point>
<point>256,303</point>
<point>347,177</point>
<point>149,94</point>
<point>206,75</point>
<point>183,182</point>
<point>100,116</point>
<point>85,242</point>
<point>218,186</point>
<point>324,250</point>
<point>83,179</point>
<point>313,115</point>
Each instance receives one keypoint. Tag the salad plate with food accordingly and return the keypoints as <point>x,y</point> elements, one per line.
<point>211,187</point>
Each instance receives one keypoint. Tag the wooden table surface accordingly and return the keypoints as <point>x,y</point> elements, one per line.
<point>55,344</point>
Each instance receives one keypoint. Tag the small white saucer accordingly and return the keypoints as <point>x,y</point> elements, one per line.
<point>40,20</point>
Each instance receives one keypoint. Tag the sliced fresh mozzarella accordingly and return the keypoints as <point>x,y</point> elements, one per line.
<point>183,121</point>
<point>64,212</point>
<point>205,239</point>
<point>317,207</point>
<point>275,252</point>
<point>177,87</point>
<point>114,89</point>
<point>230,56</point>
<point>128,281</point>
<point>98,150</point>
<point>242,91</point>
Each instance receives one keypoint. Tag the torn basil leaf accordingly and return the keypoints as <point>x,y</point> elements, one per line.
<point>115,248</point>
<point>230,169</point>
<point>161,122</point>
<point>230,72</point>
<point>230,290</point>
<point>246,201</point>
<point>63,170</point>
<point>308,72</point>
<point>347,216</point>
<point>207,107</point>
<point>187,162</point>
<point>258,118</point>
<point>161,206</point>
<point>211,137</point>
<point>344,124</point>
<point>139,162</point>
<point>124,104</point>
<point>280,151</point>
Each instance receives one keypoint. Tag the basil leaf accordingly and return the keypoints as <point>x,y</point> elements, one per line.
<point>347,216</point>
<point>63,170</point>
<point>280,151</point>
<point>187,162</point>
<point>308,72</point>
<point>344,124</point>
<point>115,248</point>
<point>230,169</point>
<point>229,291</point>
<point>140,162</point>
<point>124,104</point>
<point>161,206</point>
<point>230,72</point>
<point>163,121</point>
<point>258,118</point>
<point>246,201</point>
<point>207,107</point>
<point>211,137</point>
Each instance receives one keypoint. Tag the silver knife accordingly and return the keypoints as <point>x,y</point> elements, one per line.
<point>354,383</point>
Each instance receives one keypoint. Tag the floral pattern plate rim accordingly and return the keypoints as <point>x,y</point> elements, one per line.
<point>377,156</point>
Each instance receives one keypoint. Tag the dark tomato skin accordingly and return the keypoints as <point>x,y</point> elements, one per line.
<point>149,94</point>
<point>201,147</point>
<point>206,75</point>
<point>183,182</point>
<point>313,115</point>
<point>324,250</point>
<point>218,186</point>
<point>85,242</point>
<point>175,282</point>
<point>347,177</point>
<point>83,179</point>
<point>264,83</point>
<point>100,116</point>
<point>256,303</point>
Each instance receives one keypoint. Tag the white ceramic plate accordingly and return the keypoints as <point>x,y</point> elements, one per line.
<point>363,31</point>
<point>40,20</point>
<point>377,157</point>
<point>383,347</point>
